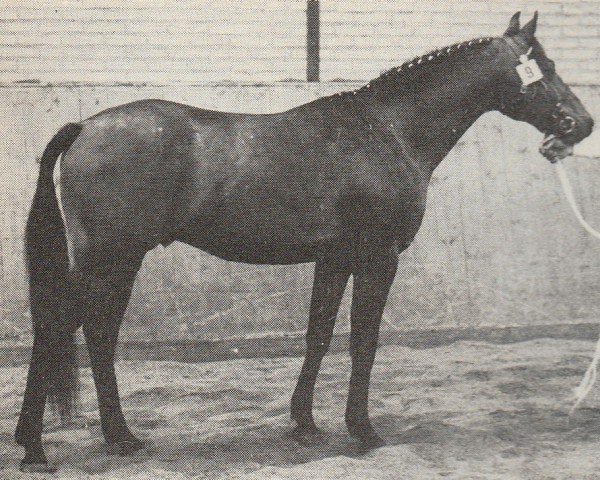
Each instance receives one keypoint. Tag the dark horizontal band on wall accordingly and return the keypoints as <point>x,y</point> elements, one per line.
<point>293,346</point>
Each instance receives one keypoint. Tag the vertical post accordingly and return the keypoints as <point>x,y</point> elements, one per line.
<point>312,40</point>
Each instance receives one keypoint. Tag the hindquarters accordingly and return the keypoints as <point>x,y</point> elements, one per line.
<point>118,185</point>
<point>81,269</point>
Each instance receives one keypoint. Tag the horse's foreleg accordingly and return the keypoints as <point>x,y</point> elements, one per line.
<point>372,282</point>
<point>108,295</point>
<point>330,280</point>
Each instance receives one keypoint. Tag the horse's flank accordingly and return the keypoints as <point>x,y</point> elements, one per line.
<point>254,188</point>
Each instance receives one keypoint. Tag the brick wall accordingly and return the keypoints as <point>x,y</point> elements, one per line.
<point>360,39</point>
<point>158,41</point>
<point>251,40</point>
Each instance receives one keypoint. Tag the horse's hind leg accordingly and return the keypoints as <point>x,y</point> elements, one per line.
<point>29,428</point>
<point>331,276</point>
<point>53,349</point>
<point>107,293</point>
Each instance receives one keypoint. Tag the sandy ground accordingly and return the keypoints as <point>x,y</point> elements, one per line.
<point>465,411</point>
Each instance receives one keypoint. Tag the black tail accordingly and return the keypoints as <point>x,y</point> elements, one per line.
<point>48,263</point>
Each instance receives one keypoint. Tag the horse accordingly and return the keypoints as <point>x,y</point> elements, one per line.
<point>340,181</point>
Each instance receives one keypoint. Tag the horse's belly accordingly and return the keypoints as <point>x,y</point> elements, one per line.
<point>248,222</point>
<point>249,249</point>
<point>241,251</point>
<point>266,240</point>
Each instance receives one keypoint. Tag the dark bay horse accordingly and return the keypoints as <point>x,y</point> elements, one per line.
<point>340,181</point>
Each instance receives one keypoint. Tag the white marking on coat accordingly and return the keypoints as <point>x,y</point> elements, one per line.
<point>56,178</point>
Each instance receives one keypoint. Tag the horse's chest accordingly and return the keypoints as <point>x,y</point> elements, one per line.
<point>406,214</point>
<point>392,199</point>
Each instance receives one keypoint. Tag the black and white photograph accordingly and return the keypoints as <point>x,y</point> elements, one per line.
<point>299,239</point>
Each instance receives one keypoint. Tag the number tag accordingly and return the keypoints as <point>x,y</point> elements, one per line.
<point>529,71</point>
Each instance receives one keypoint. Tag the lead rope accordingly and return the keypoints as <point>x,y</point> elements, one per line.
<point>591,373</point>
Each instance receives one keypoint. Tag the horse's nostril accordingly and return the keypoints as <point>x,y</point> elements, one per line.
<point>566,125</point>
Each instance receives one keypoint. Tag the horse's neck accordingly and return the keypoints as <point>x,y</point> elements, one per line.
<point>432,122</point>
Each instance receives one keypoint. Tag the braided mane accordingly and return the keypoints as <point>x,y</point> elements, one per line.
<point>414,69</point>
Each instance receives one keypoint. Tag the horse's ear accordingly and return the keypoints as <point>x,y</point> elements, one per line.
<point>528,31</point>
<point>513,25</point>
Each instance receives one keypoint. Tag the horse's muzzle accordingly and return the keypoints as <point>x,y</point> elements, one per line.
<point>570,126</point>
<point>568,131</point>
<point>573,129</point>
<point>555,148</point>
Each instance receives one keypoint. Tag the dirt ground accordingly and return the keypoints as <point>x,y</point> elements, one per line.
<point>470,410</point>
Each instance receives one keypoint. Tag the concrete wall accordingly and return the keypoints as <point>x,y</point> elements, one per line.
<point>499,245</point>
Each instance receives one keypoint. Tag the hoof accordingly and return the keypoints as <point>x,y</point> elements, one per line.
<point>367,436</point>
<point>306,429</point>
<point>43,467</point>
<point>125,447</point>
<point>307,434</point>
<point>310,429</point>
<point>371,442</point>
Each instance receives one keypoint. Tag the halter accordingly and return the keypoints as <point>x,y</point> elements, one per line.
<point>564,122</point>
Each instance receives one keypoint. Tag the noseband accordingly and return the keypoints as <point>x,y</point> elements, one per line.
<point>564,122</point>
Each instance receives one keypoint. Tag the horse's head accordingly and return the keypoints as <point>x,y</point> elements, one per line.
<point>532,91</point>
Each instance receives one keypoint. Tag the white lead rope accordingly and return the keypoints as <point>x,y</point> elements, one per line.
<point>564,180</point>
<point>591,373</point>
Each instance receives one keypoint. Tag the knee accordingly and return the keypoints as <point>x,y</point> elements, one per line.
<point>362,359</point>
<point>364,346</point>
